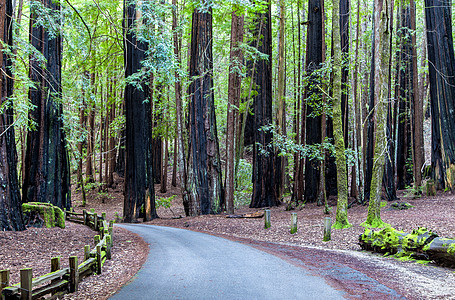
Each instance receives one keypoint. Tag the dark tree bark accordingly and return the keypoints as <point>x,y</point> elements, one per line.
<point>139,186</point>
<point>157,141</point>
<point>344,30</point>
<point>389,165</point>
<point>438,16</point>
<point>315,56</point>
<point>264,193</point>
<point>404,170</point>
<point>47,178</point>
<point>10,199</point>
<point>204,166</point>
<point>369,149</point>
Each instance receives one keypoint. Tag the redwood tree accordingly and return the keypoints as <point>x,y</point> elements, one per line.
<point>10,201</point>
<point>46,158</point>
<point>204,166</point>
<point>441,58</point>
<point>314,58</point>
<point>264,193</point>
<point>139,187</point>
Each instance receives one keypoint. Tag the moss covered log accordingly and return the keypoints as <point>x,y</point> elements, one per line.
<point>421,243</point>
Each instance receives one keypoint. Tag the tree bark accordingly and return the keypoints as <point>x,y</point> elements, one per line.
<point>10,198</point>
<point>48,176</point>
<point>417,107</point>
<point>442,88</point>
<point>234,89</point>
<point>383,11</point>
<point>139,186</point>
<point>314,57</point>
<point>204,166</point>
<point>342,178</point>
<point>264,193</point>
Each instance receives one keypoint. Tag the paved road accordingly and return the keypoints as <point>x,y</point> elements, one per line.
<point>183,264</point>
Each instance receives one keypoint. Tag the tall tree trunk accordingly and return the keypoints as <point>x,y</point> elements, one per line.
<point>206,191</point>
<point>139,187</point>
<point>281,100</point>
<point>182,160</point>
<point>383,11</point>
<point>264,193</point>
<point>47,162</point>
<point>389,168</point>
<point>438,15</point>
<point>417,107</point>
<point>342,178</point>
<point>315,56</point>
<point>10,198</point>
<point>174,163</point>
<point>235,80</point>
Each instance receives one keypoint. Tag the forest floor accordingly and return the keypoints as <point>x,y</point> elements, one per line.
<point>35,247</point>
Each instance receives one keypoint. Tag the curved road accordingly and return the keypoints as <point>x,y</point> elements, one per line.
<point>183,264</point>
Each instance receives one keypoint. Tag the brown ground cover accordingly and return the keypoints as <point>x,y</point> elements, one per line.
<point>35,247</point>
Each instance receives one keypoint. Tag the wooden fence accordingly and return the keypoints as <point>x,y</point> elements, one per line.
<point>63,281</point>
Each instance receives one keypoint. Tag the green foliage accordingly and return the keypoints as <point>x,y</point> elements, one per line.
<point>165,202</point>
<point>243,184</point>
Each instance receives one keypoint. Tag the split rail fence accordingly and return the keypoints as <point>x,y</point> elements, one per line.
<point>64,281</point>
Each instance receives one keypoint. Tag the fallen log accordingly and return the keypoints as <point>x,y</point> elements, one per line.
<point>421,244</point>
<point>256,215</point>
<point>442,251</point>
<point>392,241</point>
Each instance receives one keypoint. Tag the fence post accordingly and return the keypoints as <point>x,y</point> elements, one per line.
<point>74,274</point>
<point>101,232</point>
<point>267,222</point>
<point>84,213</point>
<point>103,215</point>
<point>97,239</point>
<point>98,259</point>
<point>96,222</point>
<point>293,223</point>
<point>111,229</point>
<point>327,229</point>
<point>108,247</point>
<point>26,284</point>
<point>4,279</point>
<point>86,252</point>
<point>55,266</point>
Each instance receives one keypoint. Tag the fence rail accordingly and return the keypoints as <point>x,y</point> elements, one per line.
<point>63,281</point>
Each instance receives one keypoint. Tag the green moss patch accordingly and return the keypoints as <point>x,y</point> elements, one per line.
<point>52,215</point>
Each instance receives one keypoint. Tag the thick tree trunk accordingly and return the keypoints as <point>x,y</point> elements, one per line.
<point>206,191</point>
<point>264,193</point>
<point>314,57</point>
<point>47,178</point>
<point>438,16</point>
<point>10,199</point>
<point>139,187</point>
<point>235,80</point>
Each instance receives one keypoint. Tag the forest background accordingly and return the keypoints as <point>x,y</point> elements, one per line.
<point>245,102</point>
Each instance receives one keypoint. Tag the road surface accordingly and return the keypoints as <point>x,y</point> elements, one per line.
<point>183,264</point>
